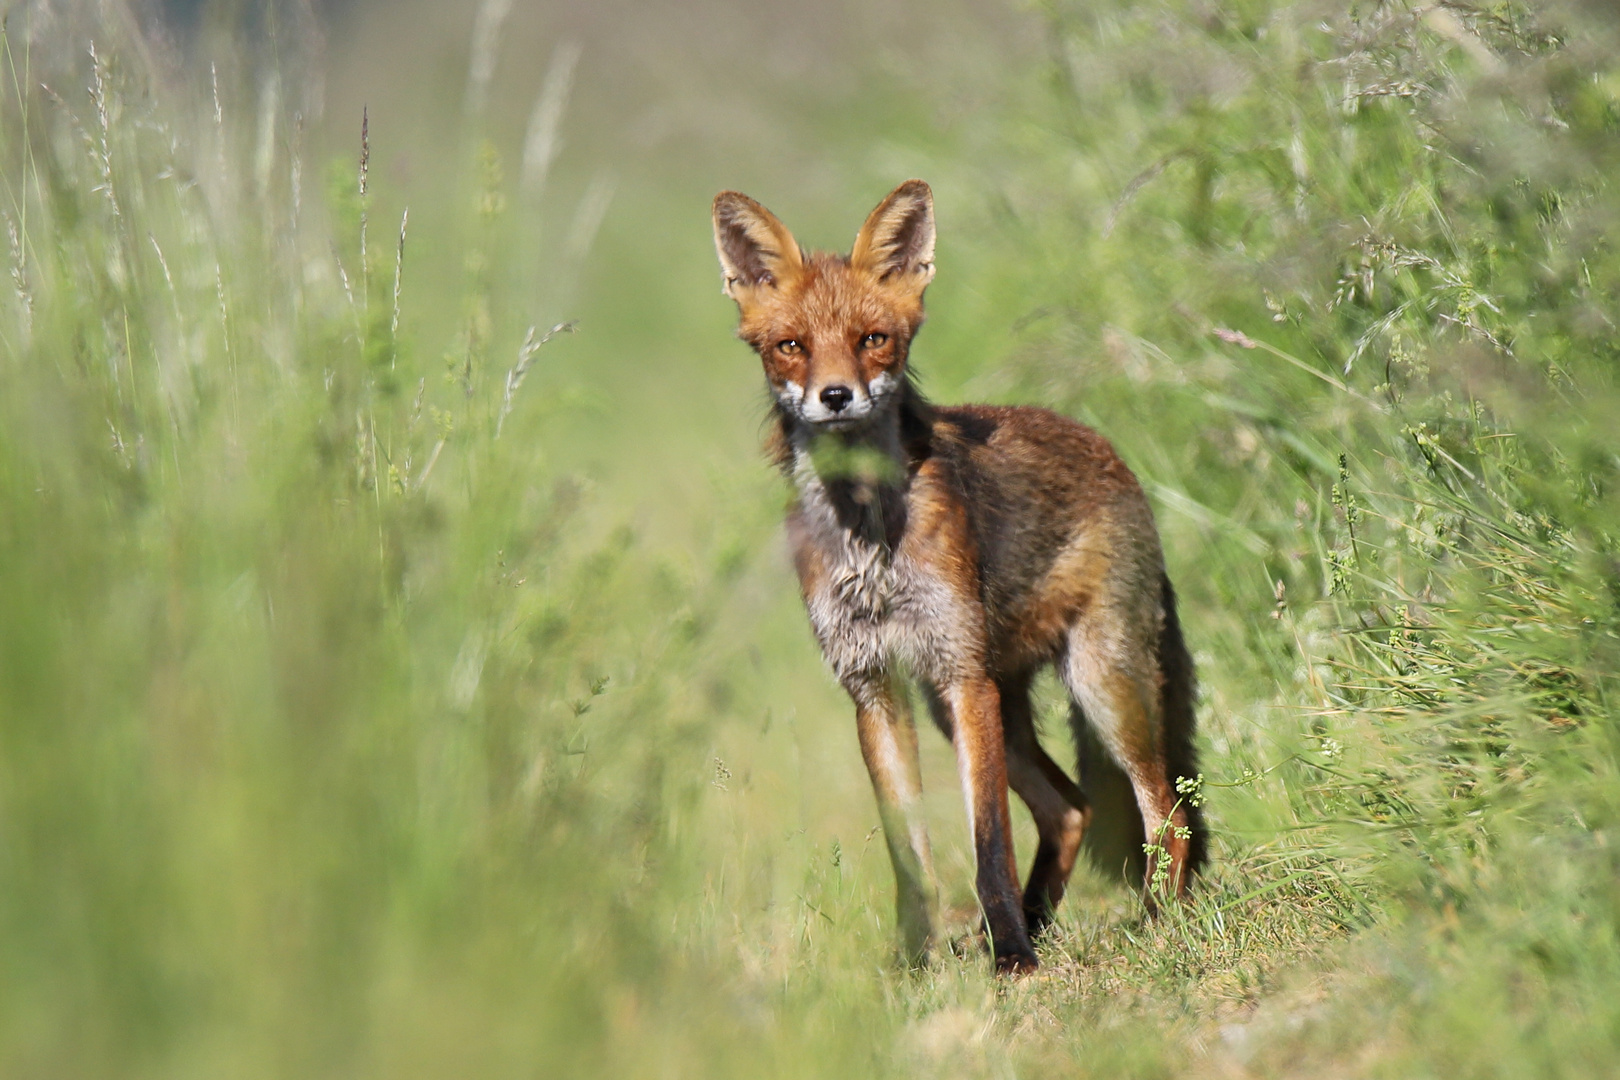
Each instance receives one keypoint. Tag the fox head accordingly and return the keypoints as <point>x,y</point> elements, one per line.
<point>833,330</point>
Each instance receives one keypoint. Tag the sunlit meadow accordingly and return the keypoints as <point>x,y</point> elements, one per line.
<point>400,669</point>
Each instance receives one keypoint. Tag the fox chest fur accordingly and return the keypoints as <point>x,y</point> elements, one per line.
<point>877,592</point>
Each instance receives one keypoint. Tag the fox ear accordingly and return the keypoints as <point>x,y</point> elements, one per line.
<point>897,241</point>
<point>755,248</point>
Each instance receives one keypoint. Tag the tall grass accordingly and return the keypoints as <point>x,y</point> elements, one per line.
<point>1353,273</point>
<point>343,731</point>
<point>323,751</point>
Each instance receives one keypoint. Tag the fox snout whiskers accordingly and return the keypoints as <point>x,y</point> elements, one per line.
<point>839,406</point>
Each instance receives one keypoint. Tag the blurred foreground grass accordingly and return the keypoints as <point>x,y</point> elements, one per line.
<point>368,706</point>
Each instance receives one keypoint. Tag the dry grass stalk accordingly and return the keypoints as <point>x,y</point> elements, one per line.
<point>19,277</point>
<point>526,354</point>
<point>481,65</point>
<point>399,274</point>
<point>541,146</point>
<point>365,168</point>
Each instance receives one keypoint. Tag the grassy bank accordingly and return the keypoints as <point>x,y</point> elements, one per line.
<point>387,688</point>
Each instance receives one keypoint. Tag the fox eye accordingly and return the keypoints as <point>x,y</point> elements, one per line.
<point>790,347</point>
<point>874,340</point>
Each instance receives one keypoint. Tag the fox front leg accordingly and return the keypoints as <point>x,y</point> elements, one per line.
<point>889,745</point>
<point>973,711</point>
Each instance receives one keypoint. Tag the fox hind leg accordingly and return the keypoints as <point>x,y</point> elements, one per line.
<point>1114,836</point>
<point>1055,802</point>
<point>1113,677</point>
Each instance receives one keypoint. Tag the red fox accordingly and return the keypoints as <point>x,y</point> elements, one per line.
<point>965,547</point>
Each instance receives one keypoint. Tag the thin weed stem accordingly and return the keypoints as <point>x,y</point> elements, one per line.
<point>399,275</point>
<point>526,353</point>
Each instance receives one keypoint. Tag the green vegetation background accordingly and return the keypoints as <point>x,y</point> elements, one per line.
<point>387,691</point>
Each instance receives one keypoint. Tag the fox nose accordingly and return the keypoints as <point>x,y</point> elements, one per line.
<point>837,397</point>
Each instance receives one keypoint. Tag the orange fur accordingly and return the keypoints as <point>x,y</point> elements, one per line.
<point>964,547</point>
